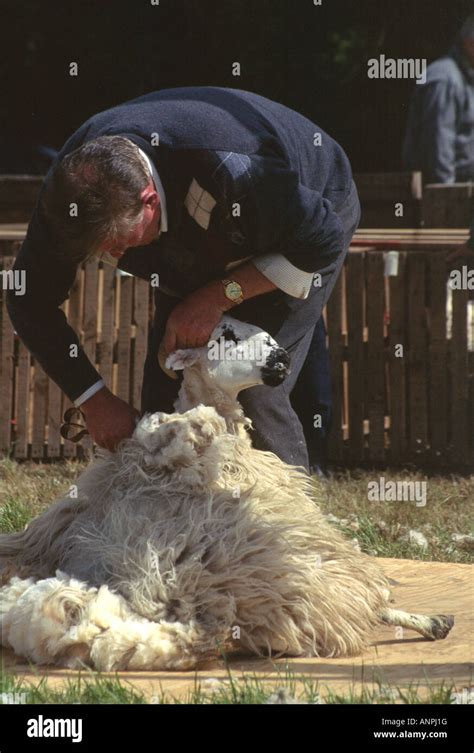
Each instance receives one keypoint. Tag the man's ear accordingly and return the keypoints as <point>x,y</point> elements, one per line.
<point>181,359</point>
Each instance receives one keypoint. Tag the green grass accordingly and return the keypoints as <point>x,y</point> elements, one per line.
<point>28,488</point>
<point>380,526</point>
<point>93,688</point>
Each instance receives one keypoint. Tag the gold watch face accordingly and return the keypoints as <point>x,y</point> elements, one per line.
<point>233,291</point>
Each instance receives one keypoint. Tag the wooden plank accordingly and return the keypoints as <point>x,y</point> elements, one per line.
<point>385,239</point>
<point>447,206</point>
<point>379,214</point>
<point>412,236</point>
<point>471,402</point>
<point>397,359</point>
<point>18,196</point>
<point>336,346</point>
<point>438,388</point>
<point>22,401</point>
<point>459,382</point>
<point>10,232</point>
<point>74,314</point>
<point>400,186</point>
<point>89,319</point>
<point>417,357</point>
<point>89,328</point>
<point>40,390</point>
<point>124,338</point>
<point>375,398</point>
<point>7,342</point>
<point>141,311</point>
<point>54,418</point>
<point>355,353</point>
<point>106,342</point>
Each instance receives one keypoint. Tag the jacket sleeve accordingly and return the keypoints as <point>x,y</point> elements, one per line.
<point>37,318</point>
<point>298,230</point>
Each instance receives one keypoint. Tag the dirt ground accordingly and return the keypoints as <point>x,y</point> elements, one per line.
<point>394,659</point>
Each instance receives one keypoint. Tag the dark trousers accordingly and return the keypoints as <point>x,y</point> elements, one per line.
<point>311,397</point>
<point>291,321</point>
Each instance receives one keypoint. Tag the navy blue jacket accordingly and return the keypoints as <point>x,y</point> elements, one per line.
<point>284,174</point>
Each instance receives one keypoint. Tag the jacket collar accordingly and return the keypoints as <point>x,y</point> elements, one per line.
<point>160,160</point>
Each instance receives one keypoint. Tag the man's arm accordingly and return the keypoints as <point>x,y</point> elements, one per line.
<point>295,225</point>
<point>191,322</point>
<point>252,281</point>
<point>44,329</point>
<point>37,318</point>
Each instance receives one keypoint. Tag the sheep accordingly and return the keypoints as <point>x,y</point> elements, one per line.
<point>187,542</point>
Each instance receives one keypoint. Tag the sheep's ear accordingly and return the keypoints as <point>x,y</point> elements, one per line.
<point>181,359</point>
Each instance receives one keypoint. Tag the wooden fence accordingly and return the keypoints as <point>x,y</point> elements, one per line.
<point>110,314</point>
<point>403,381</point>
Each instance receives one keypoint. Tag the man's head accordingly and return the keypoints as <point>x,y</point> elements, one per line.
<point>467,39</point>
<point>101,197</point>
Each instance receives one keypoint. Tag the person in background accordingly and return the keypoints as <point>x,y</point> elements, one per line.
<point>439,138</point>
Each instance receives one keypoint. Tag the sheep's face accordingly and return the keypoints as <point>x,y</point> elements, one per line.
<point>238,356</point>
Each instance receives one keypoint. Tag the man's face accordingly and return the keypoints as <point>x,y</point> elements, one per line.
<point>147,229</point>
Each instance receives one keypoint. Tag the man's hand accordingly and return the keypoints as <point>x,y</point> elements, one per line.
<point>109,419</point>
<point>192,321</point>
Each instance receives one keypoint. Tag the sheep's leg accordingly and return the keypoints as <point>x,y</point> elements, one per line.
<point>434,627</point>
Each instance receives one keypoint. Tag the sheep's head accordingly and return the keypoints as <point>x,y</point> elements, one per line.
<point>239,355</point>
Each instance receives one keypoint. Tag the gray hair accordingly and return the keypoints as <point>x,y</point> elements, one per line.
<point>104,179</point>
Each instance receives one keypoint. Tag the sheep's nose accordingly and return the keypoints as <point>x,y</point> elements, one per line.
<point>277,367</point>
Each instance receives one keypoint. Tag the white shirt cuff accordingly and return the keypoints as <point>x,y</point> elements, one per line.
<point>89,392</point>
<point>284,274</point>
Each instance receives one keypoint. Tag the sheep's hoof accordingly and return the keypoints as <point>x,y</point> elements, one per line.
<point>440,625</point>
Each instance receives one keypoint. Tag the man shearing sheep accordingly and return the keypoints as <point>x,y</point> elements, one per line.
<point>236,202</point>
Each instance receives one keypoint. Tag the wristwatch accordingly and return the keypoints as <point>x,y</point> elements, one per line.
<point>233,291</point>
